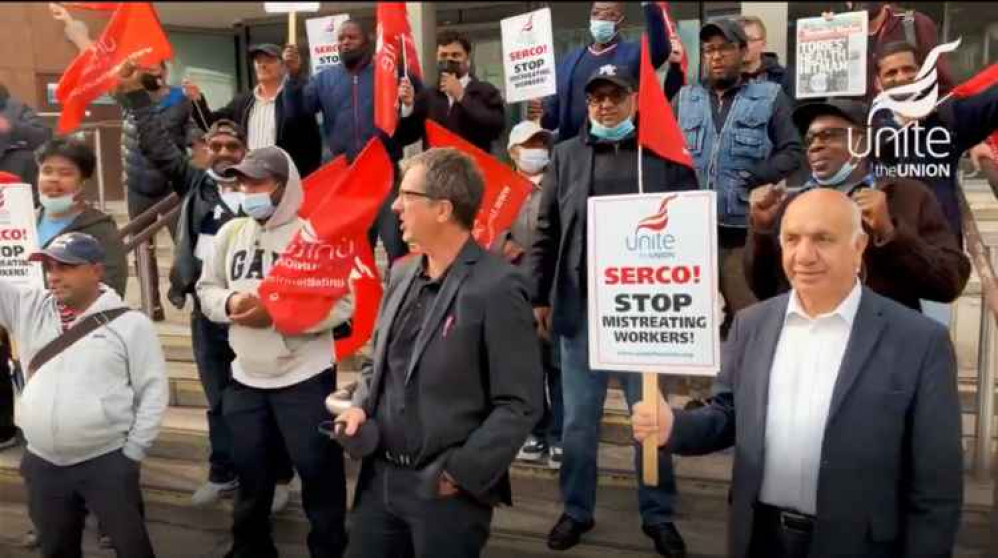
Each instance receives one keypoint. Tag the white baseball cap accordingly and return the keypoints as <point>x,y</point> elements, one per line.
<point>526,130</point>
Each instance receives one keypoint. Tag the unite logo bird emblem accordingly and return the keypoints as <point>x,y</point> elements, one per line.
<point>659,220</point>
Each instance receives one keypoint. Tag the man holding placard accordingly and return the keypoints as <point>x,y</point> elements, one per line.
<point>598,162</point>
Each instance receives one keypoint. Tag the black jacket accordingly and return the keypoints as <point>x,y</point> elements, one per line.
<point>196,188</point>
<point>298,136</point>
<point>17,147</point>
<point>140,175</point>
<point>475,370</point>
<point>556,261</point>
<point>480,117</point>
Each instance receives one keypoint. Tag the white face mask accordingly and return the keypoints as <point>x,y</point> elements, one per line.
<point>533,161</point>
<point>232,200</point>
<point>56,205</point>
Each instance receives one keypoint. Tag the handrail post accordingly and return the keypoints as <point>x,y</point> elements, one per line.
<point>983,452</point>
<point>143,263</point>
<point>100,170</point>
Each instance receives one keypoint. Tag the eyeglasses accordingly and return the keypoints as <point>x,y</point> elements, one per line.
<point>720,50</point>
<point>616,97</point>
<point>826,135</point>
<point>407,196</point>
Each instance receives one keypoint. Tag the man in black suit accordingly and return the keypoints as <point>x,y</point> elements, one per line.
<point>456,383</point>
<point>462,103</point>
<point>841,404</point>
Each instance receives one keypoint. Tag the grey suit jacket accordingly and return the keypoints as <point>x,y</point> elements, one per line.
<point>891,477</point>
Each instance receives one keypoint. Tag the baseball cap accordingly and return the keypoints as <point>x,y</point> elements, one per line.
<point>526,130</point>
<point>852,110</point>
<point>228,127</point>
<point>617,75</point>
<point>266,162</point>
<point>269,49</point>
<point>74,248</point>
<point>726,27</point>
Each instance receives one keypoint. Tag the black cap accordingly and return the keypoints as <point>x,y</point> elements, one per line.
<point>849,109</point>
<point>726,27</point>
<point>228,127</point>
<point>269,49</point>
<point>612,73</point>
<point>266,162</point>
<point>74,248</point>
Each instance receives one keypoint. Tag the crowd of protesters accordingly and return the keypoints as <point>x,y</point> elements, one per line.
<point>481,354</point>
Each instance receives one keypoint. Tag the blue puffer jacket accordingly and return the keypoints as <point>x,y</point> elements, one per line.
<point>139,175</point>
<point>346,100</point>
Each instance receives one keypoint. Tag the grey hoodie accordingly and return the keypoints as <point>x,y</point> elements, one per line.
<point>243,253</point>
<point>108,391</point>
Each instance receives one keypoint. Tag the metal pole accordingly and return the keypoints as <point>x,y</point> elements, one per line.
<point>100,169</point>
<point>143,263</point>
<point>985,389</point>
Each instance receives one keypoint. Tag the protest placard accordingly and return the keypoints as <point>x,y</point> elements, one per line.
<point>831,55</point>
<point>653,283</point>
<point>18,237</point>
<point>323,43</point>
<point>528,56</point>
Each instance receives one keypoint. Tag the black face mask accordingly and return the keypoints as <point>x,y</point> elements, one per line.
<point>449,67</point>
<point>151,82</point>
<point>353,57</point>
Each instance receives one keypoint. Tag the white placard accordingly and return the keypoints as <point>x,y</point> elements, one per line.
<point>323,44</point>
<point>832,56</point>
<point>653,288</point>
<point>288,7</point>
<point>18,237</point>
<point>528,56</point>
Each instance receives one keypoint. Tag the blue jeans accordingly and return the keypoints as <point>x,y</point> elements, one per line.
<point>584,393</point>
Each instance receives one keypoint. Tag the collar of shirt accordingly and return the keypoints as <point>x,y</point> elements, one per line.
<point>847,188</point>
<point>607,50</point>
<point>257,92</point>
<point>846,309</point>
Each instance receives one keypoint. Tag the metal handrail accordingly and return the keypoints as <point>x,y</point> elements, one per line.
<point>137,235</point>
<point>149,216</point>
<point>982,258</point>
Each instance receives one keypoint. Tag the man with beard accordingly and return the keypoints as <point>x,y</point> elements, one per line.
<point>209,201</point>
<point>741,136</point>
<point>344,95</point>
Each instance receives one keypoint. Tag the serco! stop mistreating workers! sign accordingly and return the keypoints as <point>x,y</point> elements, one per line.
<point>528,56</point>
<point>653,283</point>
<point>18,237</point>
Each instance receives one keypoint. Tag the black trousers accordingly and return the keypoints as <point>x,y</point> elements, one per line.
<point>391,521</point>
<point>386,226</point>
<point>263,418</point>
<point>59,497</point>
<point>776,537</point>
<point>7,428</point>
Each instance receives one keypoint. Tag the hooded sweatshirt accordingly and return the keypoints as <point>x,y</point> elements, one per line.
<point>106,392</point>
<point>243,254</point>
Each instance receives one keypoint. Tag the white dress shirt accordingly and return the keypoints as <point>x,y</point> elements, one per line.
<point>262,130</point>
<point>802,379</point>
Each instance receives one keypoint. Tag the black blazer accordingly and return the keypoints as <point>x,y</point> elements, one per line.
<point>891,474</point>
<point>300,136</point>
<point>479,118</point>
<point>476,367</point>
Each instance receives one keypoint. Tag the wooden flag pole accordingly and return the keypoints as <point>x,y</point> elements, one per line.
<point>649,448</point>
<point>292,27</point>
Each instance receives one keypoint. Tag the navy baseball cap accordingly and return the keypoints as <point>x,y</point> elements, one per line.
<point>612,73</point>
<point>74,248</point>
<point>726,27</point>
<point>269,49</point>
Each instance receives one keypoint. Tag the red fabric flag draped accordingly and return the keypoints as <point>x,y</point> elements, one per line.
<point>394,37</point>
<point>133,31</point>
<point>672,33</point>
<point>657,126</point>
<point>314,270</point>
<point>505,190</point>
<point>977,84</point>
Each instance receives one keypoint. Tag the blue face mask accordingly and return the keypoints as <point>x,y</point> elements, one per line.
<point>258,206</point>
<point>602,30</point>
<point>840,176</point>
<point>56,206</point>
<point>616,133</point>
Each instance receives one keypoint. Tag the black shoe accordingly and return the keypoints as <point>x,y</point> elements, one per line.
<point>668,541</point>
<point>567,532</point>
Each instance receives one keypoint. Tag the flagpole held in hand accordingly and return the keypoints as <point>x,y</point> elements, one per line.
<point>649,384</point>
<point>292,27</point>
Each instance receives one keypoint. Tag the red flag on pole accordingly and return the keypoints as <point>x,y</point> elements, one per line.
<point>672,33</point>
<point>657,126</point>
<point>367,293</point>
<point>320,183</point>
<point>977,84</point>
<point>133,32</point>
<point>394,46</point>
<point>505,190</point>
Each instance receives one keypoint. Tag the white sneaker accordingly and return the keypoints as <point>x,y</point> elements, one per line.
<point>533,450</point>
<point>211,492</point>
<point>554,457</point>
<point>282,493</point>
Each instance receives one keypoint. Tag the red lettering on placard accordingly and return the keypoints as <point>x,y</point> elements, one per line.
<point>664,275</point>
<point>527,52</point>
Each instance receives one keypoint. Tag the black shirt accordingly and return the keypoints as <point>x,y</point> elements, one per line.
<point>397,414</point>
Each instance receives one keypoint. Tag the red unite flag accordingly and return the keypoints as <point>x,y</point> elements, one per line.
<point>395,47</point>
<point>505,190</point>
<point>658,130</point>
<point>133,32</point>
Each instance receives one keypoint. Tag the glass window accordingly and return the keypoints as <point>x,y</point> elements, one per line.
<point>976,23</point>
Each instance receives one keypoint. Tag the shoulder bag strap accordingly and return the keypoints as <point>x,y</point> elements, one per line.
<point>72,335</point>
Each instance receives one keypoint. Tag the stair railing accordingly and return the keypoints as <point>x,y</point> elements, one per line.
<point>138,234</point>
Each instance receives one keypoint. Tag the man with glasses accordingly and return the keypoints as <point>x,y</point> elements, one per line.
<point>912,254</point>
<point>601,161</point>
<point>759,64</point>
<point>741,136</point>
